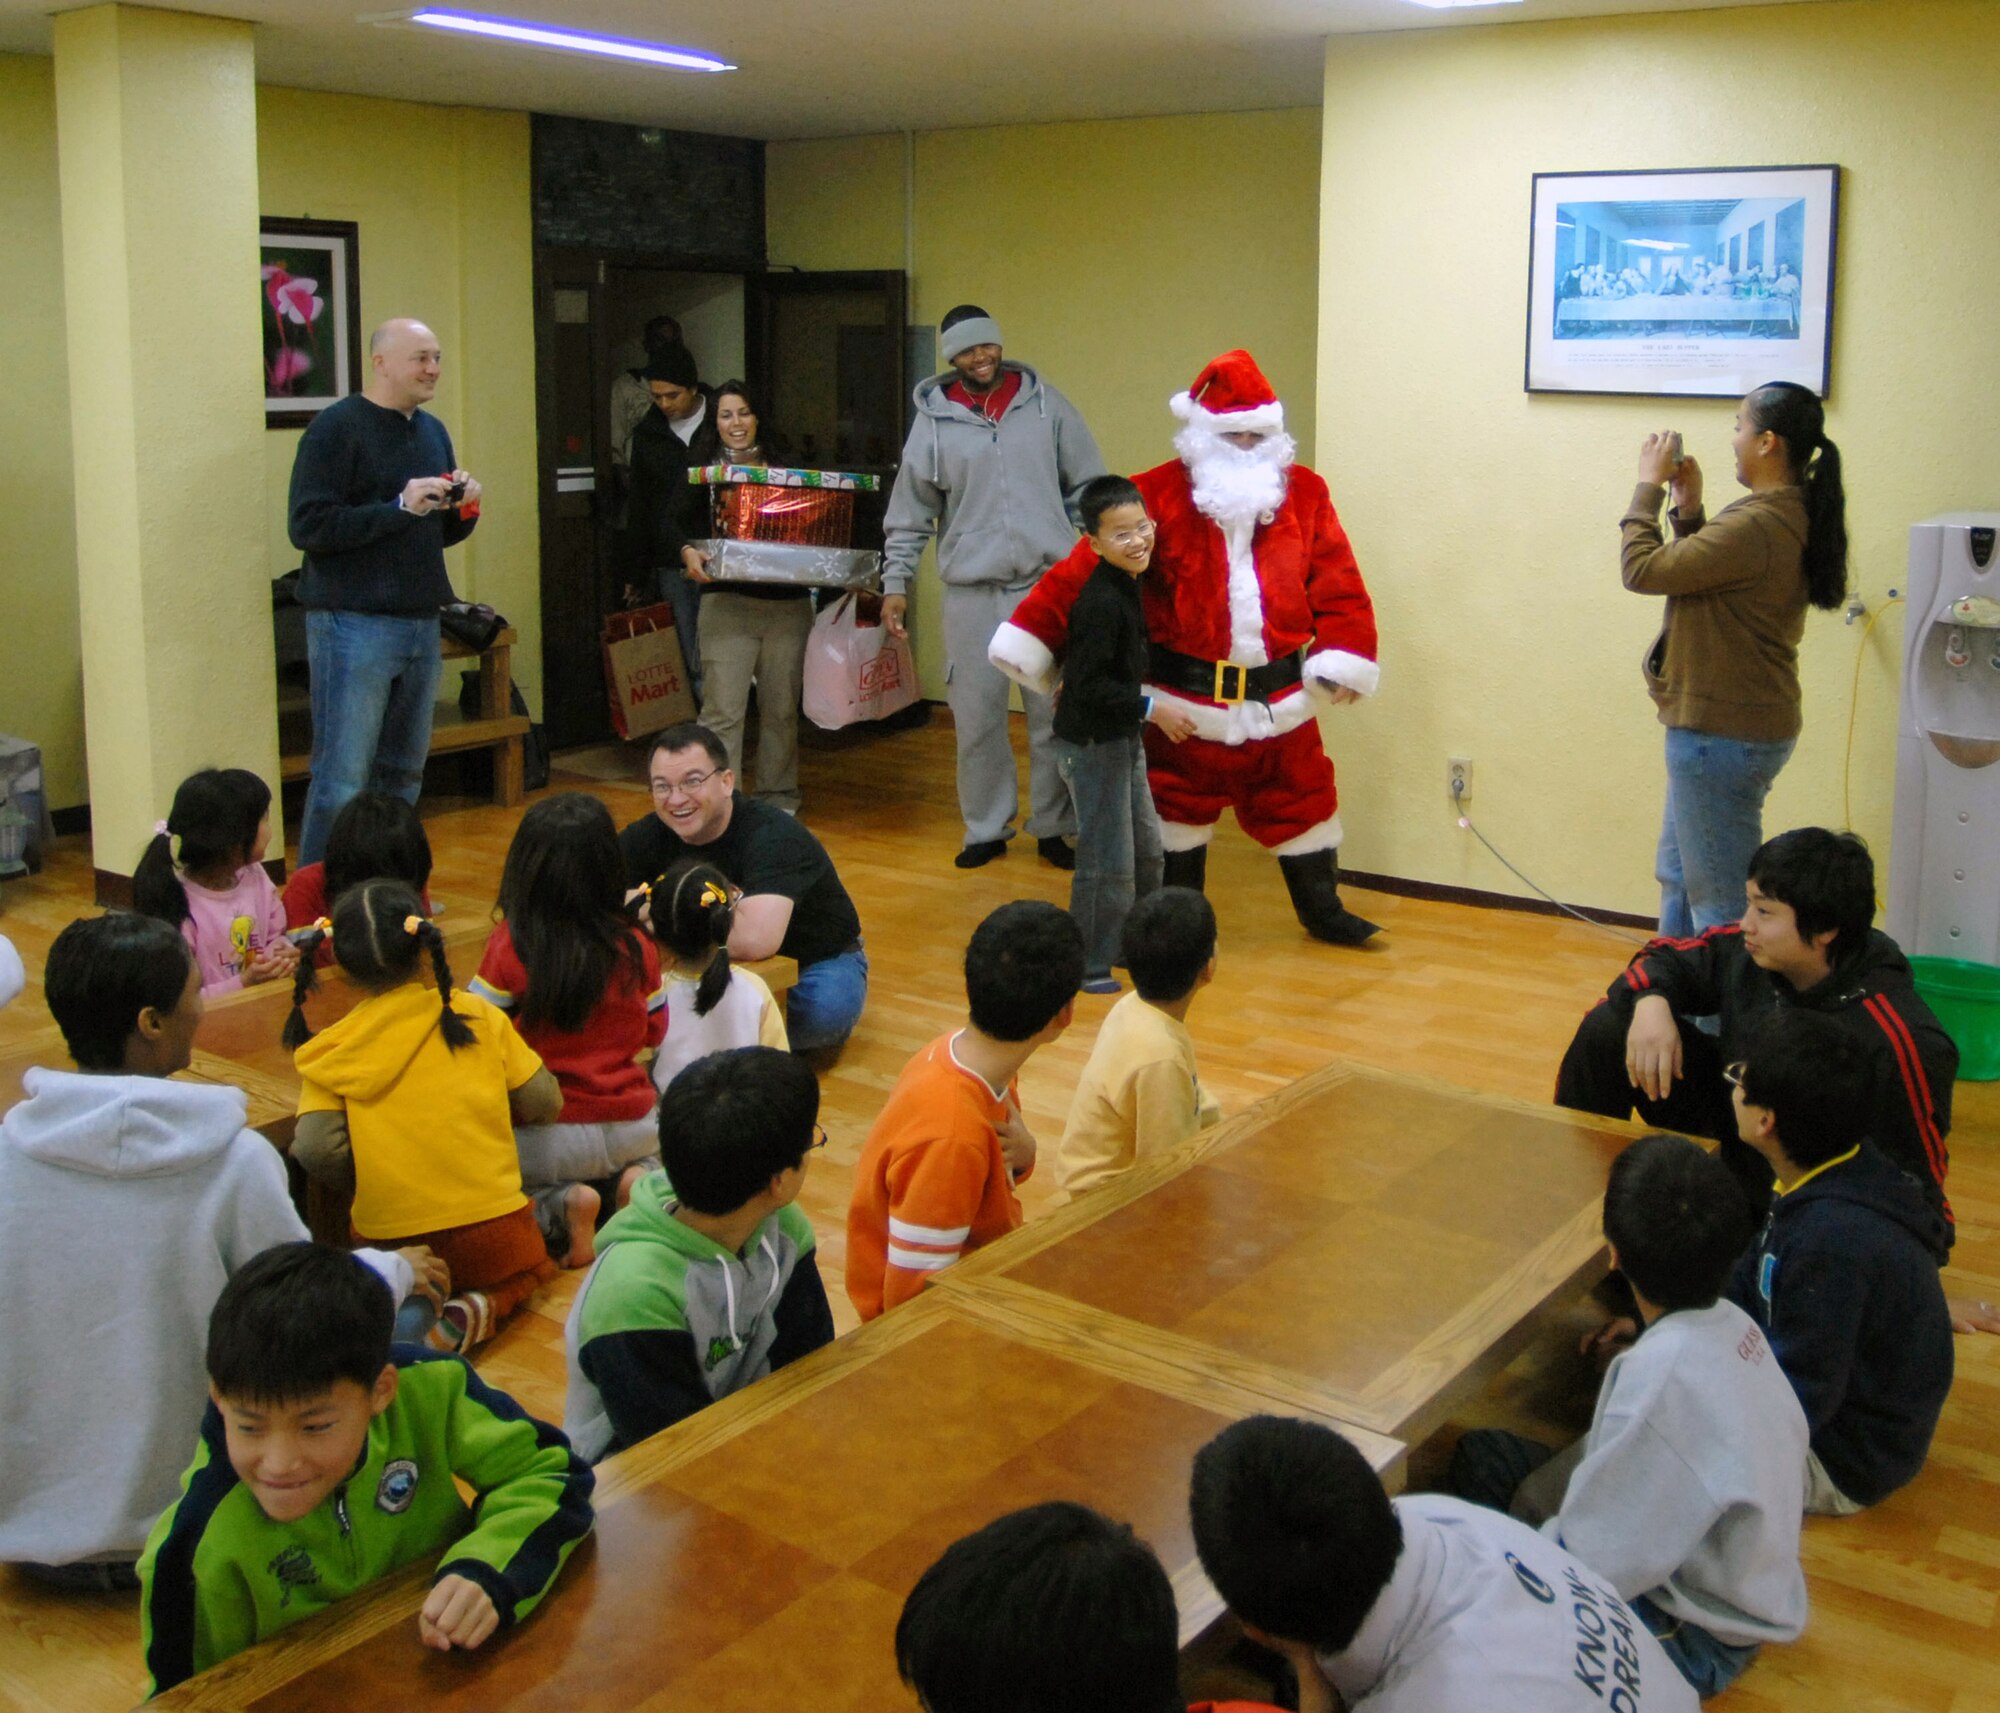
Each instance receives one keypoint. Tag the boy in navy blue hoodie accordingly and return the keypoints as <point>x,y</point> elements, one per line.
<point>1844,1275</point>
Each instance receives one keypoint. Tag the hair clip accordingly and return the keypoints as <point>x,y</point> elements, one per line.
<point>713,894</point>
<point>323,927</point>
<point>160,830</point>
<point>413,924</point>
<point>645,890</point>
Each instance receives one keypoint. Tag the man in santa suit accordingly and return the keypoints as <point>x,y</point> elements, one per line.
<point>1256,617</point>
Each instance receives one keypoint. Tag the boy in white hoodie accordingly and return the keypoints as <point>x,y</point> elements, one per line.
<point>105,1379</point>
<point>1688,1492</point>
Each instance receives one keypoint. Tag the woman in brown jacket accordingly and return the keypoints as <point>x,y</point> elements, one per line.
<point>1724,669</point>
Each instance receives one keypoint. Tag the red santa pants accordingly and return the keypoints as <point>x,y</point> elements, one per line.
<point>1280,788</point>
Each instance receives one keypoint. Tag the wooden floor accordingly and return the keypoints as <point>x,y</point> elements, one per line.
<point>1905,1599</point>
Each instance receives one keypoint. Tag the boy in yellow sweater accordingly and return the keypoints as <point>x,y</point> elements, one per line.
<point>1140,1095</point>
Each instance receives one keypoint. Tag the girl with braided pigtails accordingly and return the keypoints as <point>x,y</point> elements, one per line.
<point>412,1098</point>
<point>711,1005</point>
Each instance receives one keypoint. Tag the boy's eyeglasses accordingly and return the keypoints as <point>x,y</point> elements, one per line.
<point>819,1138</point>
<point>1129,538</point>
<point>1733,1074</point>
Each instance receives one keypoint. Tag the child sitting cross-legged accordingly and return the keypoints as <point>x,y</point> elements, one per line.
<point>708,1279</point>
<point>412,1099</point>
<point>172,1193</point>
<point>330,1458</point>
<point>1844,1275</point>
<point>582,982</point>
<point>711,1005</point>
<point>1687,1493</point>
<point>1139,1095</point>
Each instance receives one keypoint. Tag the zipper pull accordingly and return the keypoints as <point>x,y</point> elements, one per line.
<point>340,1511</point>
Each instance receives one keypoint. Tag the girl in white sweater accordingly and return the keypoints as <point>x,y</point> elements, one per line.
<point>711,1007</point>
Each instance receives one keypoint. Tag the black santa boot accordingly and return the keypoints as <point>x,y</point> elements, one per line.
<point>1314,883</point>
<point>1185,868</point>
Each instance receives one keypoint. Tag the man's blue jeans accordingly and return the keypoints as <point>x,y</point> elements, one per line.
<point>1712,826</point>
<point>825,1004</point>
<point>374,681</point>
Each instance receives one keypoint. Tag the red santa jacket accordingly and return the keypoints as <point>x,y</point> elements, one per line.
<point>1300,588</point>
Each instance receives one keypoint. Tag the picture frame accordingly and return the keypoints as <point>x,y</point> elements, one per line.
<point>309,304</point>
<point>1688,282</point>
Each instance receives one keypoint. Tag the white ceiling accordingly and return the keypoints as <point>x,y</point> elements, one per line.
<point>827,68</point>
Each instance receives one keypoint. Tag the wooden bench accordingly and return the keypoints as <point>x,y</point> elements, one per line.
<point>492,724</point>
<point>757,1555</point>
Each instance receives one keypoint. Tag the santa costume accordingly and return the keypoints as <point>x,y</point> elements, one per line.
<point>1255,615</point>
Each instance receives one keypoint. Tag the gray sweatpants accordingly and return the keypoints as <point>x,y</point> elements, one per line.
<point>989,793</point>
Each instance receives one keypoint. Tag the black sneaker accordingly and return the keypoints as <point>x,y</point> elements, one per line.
<point>1060,852</point>
<point>979,855</point>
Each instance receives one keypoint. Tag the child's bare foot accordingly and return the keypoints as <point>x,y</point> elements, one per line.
<point>627,1180</point>
<point>580,1204</point>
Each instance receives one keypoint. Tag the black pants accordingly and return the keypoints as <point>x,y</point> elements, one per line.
<point>1592,1079</point>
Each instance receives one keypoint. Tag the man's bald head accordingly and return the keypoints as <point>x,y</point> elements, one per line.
<point>403,359</point>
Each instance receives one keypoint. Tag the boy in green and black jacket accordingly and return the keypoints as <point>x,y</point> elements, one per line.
<point>327,1461</point>
<point>707,1280</point>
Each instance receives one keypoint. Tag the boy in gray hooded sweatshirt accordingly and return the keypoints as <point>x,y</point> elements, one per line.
<point>993,466</point>
<point>104,1364</point>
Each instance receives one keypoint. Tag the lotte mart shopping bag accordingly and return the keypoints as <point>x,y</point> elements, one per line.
<point>644,675</point>
<point>855,672</point>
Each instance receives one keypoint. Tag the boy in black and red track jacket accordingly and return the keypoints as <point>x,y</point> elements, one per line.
<point>1804,941</point>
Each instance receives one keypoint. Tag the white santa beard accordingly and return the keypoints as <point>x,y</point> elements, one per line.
<point>1237,486</point>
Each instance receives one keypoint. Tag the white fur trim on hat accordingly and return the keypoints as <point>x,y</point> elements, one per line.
<point>1337,667</point>
<point>1024,657</point>
<point>1264,419</point>
<point>963,335</point>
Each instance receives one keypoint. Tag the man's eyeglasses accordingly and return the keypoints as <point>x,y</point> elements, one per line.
<point>686,787</point>
<point>1733,1074</point>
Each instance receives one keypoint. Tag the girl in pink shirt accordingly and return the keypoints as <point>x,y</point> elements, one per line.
<point>217,894</point>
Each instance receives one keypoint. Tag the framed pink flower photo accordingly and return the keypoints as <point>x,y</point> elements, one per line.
<point>309,302</point>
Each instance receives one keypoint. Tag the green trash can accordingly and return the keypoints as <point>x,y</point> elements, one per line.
<point>1966,998</point>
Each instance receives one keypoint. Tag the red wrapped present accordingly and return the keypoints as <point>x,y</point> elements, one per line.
<point>811,517</point>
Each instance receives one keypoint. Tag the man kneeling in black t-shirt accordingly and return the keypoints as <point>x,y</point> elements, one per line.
<point>792,903</point>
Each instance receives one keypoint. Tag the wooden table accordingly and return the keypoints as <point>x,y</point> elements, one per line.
<point>756,1556</point>
<point>1364,1245</point>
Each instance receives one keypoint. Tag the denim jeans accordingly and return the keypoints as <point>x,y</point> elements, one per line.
<point>1710,1664</point>
<point>825,1003</point>
<point>1117,842</point>
<point>374,683</point>
<point>1712,826</point>
<point>685,598</point>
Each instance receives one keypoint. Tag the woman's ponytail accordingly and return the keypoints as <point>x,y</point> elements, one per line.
<point>456,1031</point>
<point>297,1031</point>
<point>1797,417</point>
<point>156,885</point>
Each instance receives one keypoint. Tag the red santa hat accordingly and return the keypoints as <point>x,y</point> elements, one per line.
<point>1231,396</point>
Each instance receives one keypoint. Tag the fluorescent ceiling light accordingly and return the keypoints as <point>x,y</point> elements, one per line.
<point>572,41</point>
<point>1652,244</point>
<point>1444,5</point>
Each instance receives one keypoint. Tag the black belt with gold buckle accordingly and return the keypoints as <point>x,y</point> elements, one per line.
<point>1221,680</point>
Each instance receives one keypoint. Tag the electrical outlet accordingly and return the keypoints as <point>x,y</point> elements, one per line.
<point>1458,778</point>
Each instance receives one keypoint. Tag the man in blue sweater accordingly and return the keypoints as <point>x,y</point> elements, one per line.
<point>376,499</point>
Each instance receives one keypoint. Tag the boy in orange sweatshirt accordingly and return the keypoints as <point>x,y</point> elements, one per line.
<point>937,1174</point>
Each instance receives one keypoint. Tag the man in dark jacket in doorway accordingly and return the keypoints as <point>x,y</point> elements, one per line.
<point>666,511</point>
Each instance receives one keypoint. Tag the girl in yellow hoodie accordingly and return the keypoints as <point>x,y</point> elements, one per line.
<point>415,1094</point>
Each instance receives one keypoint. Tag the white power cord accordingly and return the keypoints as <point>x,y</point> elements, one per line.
<point>1465,821</point>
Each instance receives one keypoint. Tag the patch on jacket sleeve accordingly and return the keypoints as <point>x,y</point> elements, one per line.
<point>398,1486</point>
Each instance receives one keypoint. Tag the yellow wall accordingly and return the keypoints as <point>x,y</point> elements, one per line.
<point>443,200</point>
<point>41,669</point>
<point>1486,519</point>
<point>1117,256</point>
<point>459,255</point>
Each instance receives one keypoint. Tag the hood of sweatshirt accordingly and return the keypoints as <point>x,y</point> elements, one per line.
<point>120,1126</point>
<point>1872,1180</point>
<point>1877,963</point>
<point>368,1049</point>
<point>929,395</point>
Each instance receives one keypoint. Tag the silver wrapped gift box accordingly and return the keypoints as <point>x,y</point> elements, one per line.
<point>731,561</point>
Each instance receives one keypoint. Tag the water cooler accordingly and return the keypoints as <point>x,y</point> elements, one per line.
<point>1944,893</point>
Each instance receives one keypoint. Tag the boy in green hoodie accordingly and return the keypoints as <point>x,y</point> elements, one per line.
<point>329,1460</point>
<point>707,1279</point>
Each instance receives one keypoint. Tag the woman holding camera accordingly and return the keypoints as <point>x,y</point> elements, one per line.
<point>1724,669</point>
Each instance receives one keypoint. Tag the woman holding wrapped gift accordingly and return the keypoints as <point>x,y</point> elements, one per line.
<point>752,631</point>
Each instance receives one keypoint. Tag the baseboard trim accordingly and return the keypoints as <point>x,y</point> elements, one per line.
<point>1484,900</point>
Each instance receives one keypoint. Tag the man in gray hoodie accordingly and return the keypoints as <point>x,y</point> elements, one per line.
<point>992,468</point>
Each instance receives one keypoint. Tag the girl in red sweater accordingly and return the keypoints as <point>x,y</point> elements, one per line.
<point>583,986</point>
